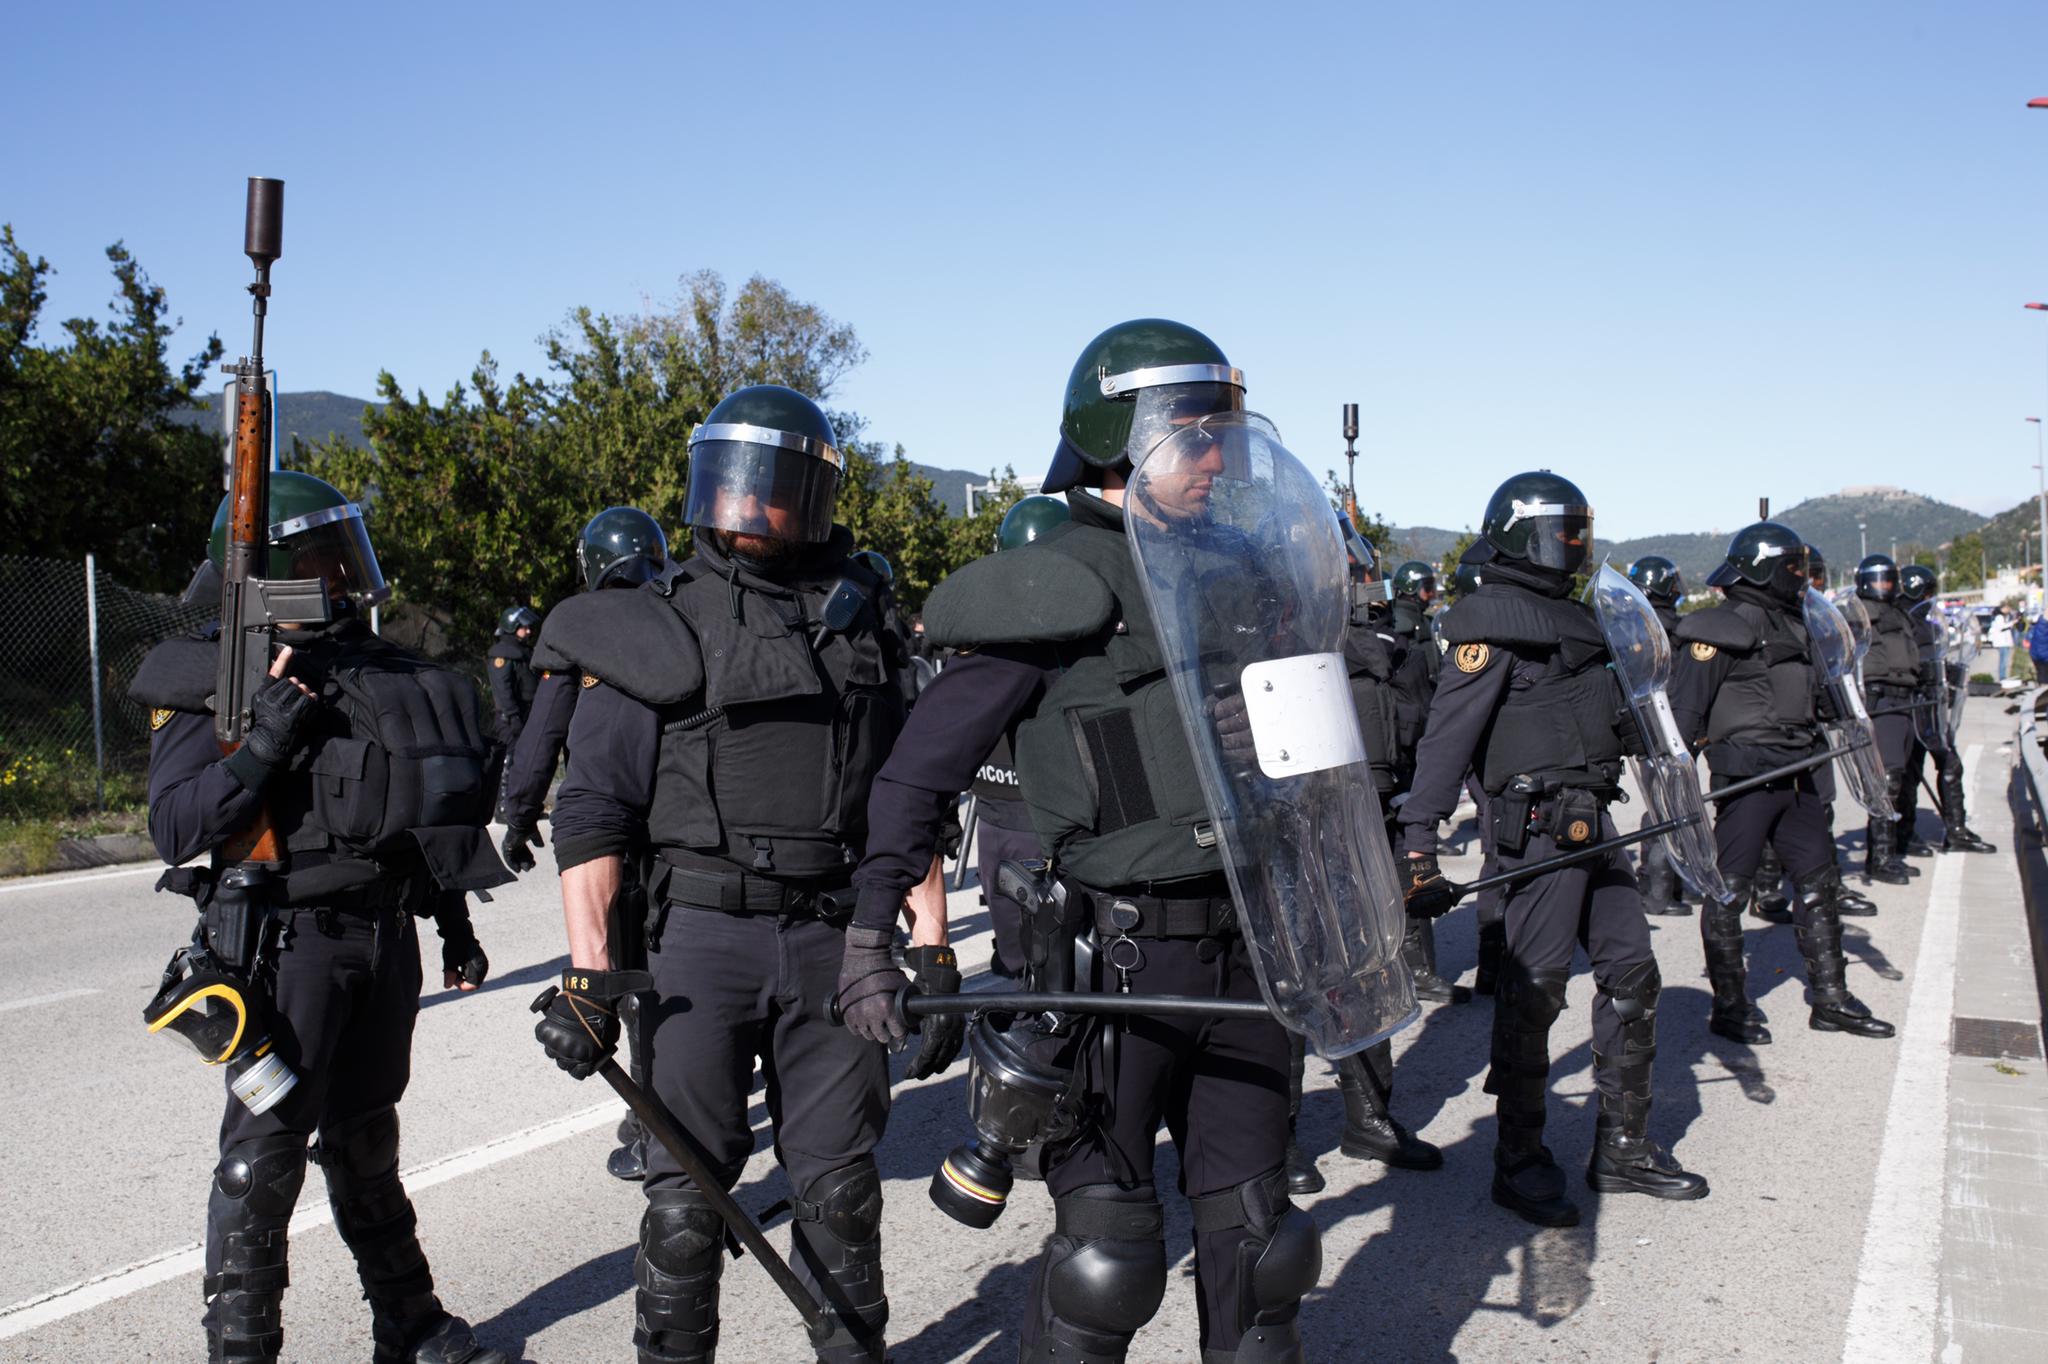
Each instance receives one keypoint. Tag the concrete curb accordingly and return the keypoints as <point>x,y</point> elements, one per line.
<point>79,854</point>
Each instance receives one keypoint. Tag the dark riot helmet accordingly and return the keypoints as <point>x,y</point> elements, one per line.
<point>878,563</point>
<point>1877,578</point>
<point>1465,579</point>
<point>516,618</point>
<point>314,532</point>
<point>1659,578</point>
<point>1816,568</point>
<point>1131,386</point>
<point>620,547</point>
<point>1366,591</point>
<point>1540,518</point>
<point>1767,554</point>
<point>1918,584</point>
<point>1029,519</point>
<point>1415,581</point>
<point>765,462</point>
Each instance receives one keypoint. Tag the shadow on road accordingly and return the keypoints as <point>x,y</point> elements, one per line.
<point>549,971</point>
<point>591,1284</point>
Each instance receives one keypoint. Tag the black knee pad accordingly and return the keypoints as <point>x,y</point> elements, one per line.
<point>1105,1267</point>
<point>262,1176</point>
<point>680,1235</point>
<point>846,1203</point>
<point>838,1236</point>
<point>360,1148</point>
<point>359,1157</point>
<point>1536,997</point>
<point>675,1313</point>
<point>1634,996</point>
<point>1281,1255</point>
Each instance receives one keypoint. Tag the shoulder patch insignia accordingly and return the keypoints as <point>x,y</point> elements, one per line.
<point>497,663</point>
<point>545,674</point>
<point>160,717</point>
<point>1702,651</point>
<point>1470,658</point>
<point>590,679</point>
<point>1580,831</point>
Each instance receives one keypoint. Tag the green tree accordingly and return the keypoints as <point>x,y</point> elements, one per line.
<point>1447,566</point>
<point>92,454</point>
<point>1963,566</point>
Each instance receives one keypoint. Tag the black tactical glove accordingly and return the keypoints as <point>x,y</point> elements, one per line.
<point>868,985</point>
<point>278,713</point>
<point>517,844</point>
<point>1630,732</point>
<point>462,957</point>
<point>580,1026</point>
<point>935,971</point>
<point>1824,707</point>
<point>1428,894</point>
<point>1234,731</point>
<point>950,834</point>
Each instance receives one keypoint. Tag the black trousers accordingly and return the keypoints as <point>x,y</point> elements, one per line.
<point>1003,833</point>
<point>1789,813</point>
<point>1220,1085</point>
<point>1593,905</point>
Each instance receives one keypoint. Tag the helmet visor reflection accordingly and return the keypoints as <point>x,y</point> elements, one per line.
<point>761,490</point>
<point>1564,543</point>
<point>338,553</point>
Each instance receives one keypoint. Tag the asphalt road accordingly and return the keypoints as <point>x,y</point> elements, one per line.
<point>107,1136</point>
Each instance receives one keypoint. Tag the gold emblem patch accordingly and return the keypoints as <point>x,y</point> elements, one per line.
<point>497,663</point>
<point>1702,652</point>
<point>159,718</point>
<point>590,679</point>
<point>1579,831</point>
<point>1470,658</point>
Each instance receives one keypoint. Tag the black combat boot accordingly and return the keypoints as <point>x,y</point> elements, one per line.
<point>682,1254</point>
<point>1733,1016</point>
<point>1526,1178</point>
<point>1493,945</point>
<point>408,1325</point>
<point>255,1187</point>
<point>1658,881</point>
<point>1880,856</point>
<point>1853,904</point>
<point>1418,949</point>
<point>1834,1009</point>
<point>1956,835</point>
<point>1770,903</point>
<point>1302,1176</point>
<point>1370,1132</point>
<point>1625,1160</point>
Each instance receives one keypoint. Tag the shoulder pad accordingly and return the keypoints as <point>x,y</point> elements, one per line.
<point>504,646</point>
<point>1719,627</point>
<point>179,674</point>
<point>1484,618</point>
<point>635,640</point>
<point>1020,596</point>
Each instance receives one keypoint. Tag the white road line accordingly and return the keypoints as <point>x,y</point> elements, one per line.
<point>34,1000</point>
<point>45,882</point>
<point>1897,1305</point>
<point>104,1288</point>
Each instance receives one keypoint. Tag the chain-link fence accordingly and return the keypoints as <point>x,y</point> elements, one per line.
<point>70,739</point>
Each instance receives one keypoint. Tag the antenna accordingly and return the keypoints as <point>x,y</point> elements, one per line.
<point>1351,461</point>
<point>1763,509</point>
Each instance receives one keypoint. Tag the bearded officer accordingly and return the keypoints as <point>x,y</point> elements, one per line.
<point>1058,643</point>
<point>619,548</point>
<point>1891,682</point>
<point>1917,588</point>
<point>328,760</point>
<point>1528,702</point>
<point>1744,687</point>
<point>1664,585</point>
<point>732,724</point>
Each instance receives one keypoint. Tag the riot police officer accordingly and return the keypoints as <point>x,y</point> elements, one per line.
<point>1414,588</point>
<point>1917,587</point>
<point>1891,681</point>
<point>620,547</point>
<point>371,836</point>
<point>514,680</point>
<point>1744,688</point>
<point>1528,703</point>
<point>1664,585</point>
<point>731,724</point>
<point>1058,642</point>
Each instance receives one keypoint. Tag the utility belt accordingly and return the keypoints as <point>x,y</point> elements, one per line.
<point>738,892</point>
<point>1568,815</point>
<point>1893,691</point>
<point>1198,908</point>
<point>392,888</point>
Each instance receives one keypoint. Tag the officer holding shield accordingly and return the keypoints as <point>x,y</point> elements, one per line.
<point>1745,689</point>
<point>1527,701</point>
<point>1664,585</point>
<point>1934,719</point>
<point>1079,650</point>
<point>1891,681</point>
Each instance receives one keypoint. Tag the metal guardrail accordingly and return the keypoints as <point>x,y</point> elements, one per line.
<point>2027,798</point>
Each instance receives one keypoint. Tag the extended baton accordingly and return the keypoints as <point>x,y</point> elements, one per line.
<point>912,1003</point>
<point>1789,769</point>
<point>696,1163</point>
<point>1906,709</point>
<point>1461,890</point>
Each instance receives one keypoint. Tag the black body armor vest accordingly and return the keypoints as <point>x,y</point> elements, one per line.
<point>997,777</point>
<point>1766,701</point>
<point>1894,657</point>
<point>1371,667</point>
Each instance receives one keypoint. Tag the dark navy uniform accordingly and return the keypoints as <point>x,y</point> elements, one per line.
<point>356,875</point>
<point>538,749</point>
<point>1002,833</point>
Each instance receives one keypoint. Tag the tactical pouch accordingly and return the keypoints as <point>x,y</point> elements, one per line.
<point>1512,810</point>
<point>1572,818</point>
<point>234,916</point>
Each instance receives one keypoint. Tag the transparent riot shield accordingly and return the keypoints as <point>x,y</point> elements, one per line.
<point>1244,575</point>
<point>1639,655</point>
<point>1931,710</point>
<point>1858,616</point>
<point>1963,643</point>
<point>1833,650</point>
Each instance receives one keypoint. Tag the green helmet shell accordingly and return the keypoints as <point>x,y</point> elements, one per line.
<point>620,547</point>
<point>314,531</point>
<point>1030,518</point>
<point>765,462</point>
<point>1414,578</point>
<point>1540,518</point>
<point>1107,388</point>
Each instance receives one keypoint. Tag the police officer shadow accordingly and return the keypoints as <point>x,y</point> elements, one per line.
<point>591,1284</point>
<point>432,993</point>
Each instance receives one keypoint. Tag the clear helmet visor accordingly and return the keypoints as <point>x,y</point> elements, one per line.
<point>1564,543</point>
<point>337,551</point>
<point>1165,408</point>
<point>761,490</point>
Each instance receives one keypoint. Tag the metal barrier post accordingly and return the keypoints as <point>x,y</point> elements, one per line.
<point>92,635</point>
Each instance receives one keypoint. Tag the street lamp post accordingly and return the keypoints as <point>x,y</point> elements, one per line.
<point>1862,541</point>
<point>2041,491</point>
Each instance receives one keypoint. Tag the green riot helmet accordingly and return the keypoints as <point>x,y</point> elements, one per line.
<point>314,532</point>
<point>1465,579</point>
<point>1416,581</point>
<point>1369,592</point>
<point>513,619</point>
<point>620,547</point>
<point>1542,519</point>
<point>1767,554</point>
<point>1029,519</point>
<point>1918,584</point>
<point>765,463</point>
<point>879,564</point>
<point>1132,385</point>
<point>1659,578</point>
<point>1877,578</point>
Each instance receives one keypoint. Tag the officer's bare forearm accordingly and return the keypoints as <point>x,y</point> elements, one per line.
<point>925,907</point>
<point>588,889</point>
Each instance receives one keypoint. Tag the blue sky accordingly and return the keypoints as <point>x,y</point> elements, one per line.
<point>1686,254</point>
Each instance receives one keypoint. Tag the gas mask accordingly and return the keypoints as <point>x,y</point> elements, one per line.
<point>227,1021</point>
<point>1016,1100</point>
